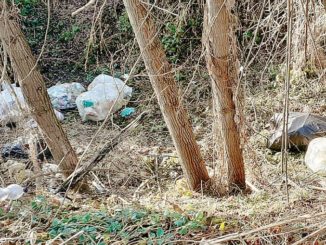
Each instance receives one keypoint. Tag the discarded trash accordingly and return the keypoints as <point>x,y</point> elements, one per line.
<point>9,109</point>
<point>63,96</point>
<point>59,115</point>
<point>127,112</point>
<point>106,94</point>
<point>125,76</point>
<point>3,194</point>
<point>14,150</point>
<point>315,157</point>
<point>302,128</point>
<point>106,79</point>
<point>11,192</point>
<point>19,149</point>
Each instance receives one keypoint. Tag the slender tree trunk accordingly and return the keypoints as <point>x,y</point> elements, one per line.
<point>35,93</point>
<point>166,90</point>
<point>221,64</point>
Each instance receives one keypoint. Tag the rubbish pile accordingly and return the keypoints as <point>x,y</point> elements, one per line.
<point>13,105</point>
<point>305,132</point>
<point>105,95</point>
<point>302,128</point>
<point>63,96</point>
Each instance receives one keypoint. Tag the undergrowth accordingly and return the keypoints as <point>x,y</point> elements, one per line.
<point>103,226</point>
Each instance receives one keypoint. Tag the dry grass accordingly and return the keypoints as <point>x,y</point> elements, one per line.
<point>144,172</point>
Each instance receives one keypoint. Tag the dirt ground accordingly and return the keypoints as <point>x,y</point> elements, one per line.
<point>143,170</point>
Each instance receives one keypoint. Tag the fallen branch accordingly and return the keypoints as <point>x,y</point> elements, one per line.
<point>86,6</point>
<point>81,172</point>
<point>238,236</point>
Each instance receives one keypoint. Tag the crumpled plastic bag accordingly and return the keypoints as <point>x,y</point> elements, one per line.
<point>11,192</point>
<point>9,108</point>
<point>106,94</point>
<point>302,128</point>
<point>63,96</point>
<point>12,102</point>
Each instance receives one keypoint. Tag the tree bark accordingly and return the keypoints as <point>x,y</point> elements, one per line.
<point>3,73</point>
<point>35,93</point>
<point>165,87</point>
<point>221,64</point>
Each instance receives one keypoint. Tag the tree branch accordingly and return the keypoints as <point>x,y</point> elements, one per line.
<point>81,172</point>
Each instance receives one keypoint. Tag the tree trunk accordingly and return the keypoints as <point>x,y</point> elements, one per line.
<point>35,93</point>
<point>221,64</point>
<point>165,87</point>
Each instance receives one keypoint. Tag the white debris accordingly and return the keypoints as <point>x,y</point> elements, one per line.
<point>315,157</point>
<point>11,192</point>
<point>63,96</point>
<point>105,95</point>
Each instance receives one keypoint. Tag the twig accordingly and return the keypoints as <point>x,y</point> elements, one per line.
<point>80,173</point>
<point>315,233</point>
<point>316,188</point>
<point>254,188</point>
<point>86,6</point>
<point>74,236</point>
<point>237,236</point>
<point>285,129</point>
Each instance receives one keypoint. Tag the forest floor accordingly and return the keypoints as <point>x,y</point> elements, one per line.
<point>146,199</point>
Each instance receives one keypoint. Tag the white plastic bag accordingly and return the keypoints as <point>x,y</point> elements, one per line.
<point>63,96</point>
<point>10,110</point>
<point>315,157</point>
<point>101,79</point>
<point>104,92</point>
<point>11,192</point>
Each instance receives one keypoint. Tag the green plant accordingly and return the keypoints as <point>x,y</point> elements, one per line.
<point>26,6</point>
<point>178,37</point>
<point>123,23</point>
<point>69,34</point>
<point>172,41</point>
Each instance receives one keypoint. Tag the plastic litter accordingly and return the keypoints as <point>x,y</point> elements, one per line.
<point>63,96</point>
<point>315,157</point>
<point>302,128</point>
<point>127,112</point>
<point>125,76</point>
<point>3,194</point>
<point>14,150</point>
<point>11,192</point>
<point>10,110</point>
<point>19,149</point>
<point>59,115</point>
<point>106,94</point>
<point>106,79</point>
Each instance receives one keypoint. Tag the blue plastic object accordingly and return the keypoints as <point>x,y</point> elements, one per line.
<point>127,112</point>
